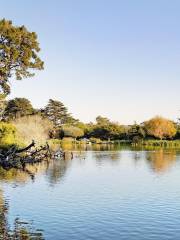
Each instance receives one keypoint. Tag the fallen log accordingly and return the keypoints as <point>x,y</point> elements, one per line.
<point>26,148</point>
<point>18,158</point>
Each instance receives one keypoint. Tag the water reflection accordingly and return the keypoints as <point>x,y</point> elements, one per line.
<point>112,157</point>
<point>161,161</point>
<point>93,147</point>
<point>55,171</point>
<point>158,160</point>
<point>21,230</point>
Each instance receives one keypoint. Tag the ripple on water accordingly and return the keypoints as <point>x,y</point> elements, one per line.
<point>102,195</point>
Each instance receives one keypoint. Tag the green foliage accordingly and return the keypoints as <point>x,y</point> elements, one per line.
<point>105,129</point>
<point>160,143</point>
<point>177,125</point>
<point>54,141</point>
<point>102,120</point>
<point>95,140</point>
<point>7,134</point>
<point>85,127</point>
<point>136,132</point>
<point>71,131</point>
<point>56,123</point>
<point>18,107</point>
<point>56,112</point>
<point>18,53</point>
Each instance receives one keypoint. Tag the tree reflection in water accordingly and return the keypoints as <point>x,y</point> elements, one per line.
<point>161,160</point>
<point>21,230</point>
<point>54,171</point>
<point>103,157</point>
<point>57,170</point>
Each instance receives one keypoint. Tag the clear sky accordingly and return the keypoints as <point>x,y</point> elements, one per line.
<point>119,59</point>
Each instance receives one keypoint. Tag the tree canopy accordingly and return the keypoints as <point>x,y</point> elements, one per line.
<point>56,112</point>
<point>161,128</point>
<point>102,120</point>
<point>71,131</point>
<point>136,132</point>
<point>18,107</point>
<point>105,129</point>
<point>18,53</point>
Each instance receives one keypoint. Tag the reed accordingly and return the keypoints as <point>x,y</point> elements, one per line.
<point>159,143</point>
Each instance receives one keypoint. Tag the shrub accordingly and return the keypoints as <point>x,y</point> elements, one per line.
<point>67,143</point>
<point>54,144</point>
<point>7,134</point>
<point>34,128</point>
<point>160,128</point>
<point>71,131</point>
<point>95,140</point>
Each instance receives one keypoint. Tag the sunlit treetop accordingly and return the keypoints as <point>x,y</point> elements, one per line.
<point>18,54</point>
<point>160,127</point>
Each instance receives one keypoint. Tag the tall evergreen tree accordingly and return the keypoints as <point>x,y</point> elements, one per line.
<point>57,113</point>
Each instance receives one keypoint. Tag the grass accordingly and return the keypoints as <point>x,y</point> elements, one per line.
<point>159,143</point>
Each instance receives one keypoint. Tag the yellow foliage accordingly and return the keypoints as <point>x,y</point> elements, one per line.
<point>8,135</point>
<point>160,127</point>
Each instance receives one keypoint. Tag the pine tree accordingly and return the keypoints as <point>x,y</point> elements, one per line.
<point>56,112</point>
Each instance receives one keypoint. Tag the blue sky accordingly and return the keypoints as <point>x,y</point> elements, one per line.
<point>119,59</point>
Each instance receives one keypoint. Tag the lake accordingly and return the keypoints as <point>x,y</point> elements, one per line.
<point>103,194</point>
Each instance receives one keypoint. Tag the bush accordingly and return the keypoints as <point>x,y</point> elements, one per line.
<point>34,128</point>
<point>68,140</point>
<point>54,144</point>
<point>7,134</point>
<point>67,143</point>
<point>71,131</point>
<point>95,140</point>
<point>160,128</point>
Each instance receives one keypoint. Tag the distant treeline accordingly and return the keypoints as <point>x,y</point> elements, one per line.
<point>20,120</point>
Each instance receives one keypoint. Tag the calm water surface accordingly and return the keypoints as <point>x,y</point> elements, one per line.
<point>120,194</point>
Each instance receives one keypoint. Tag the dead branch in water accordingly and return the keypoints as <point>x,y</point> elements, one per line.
<point>17,158</point>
